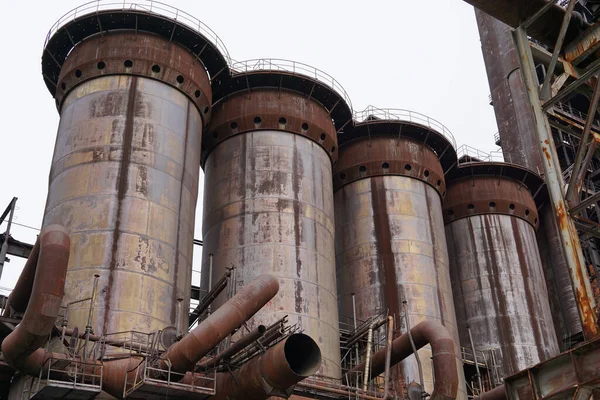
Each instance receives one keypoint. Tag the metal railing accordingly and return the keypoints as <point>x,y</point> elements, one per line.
<point>395,114</point>
<point>172,13</point>
<point>65,373</point>
<point>293,67</point>
<point>132,343</point>
<point>146,6</point>
<point>467,154</point>
<point>144,374</point>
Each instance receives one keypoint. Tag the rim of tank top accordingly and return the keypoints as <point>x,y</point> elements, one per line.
<point>441,144</point>
<point>98,17</point>
<point>533,182</point>
<point>292,76</point>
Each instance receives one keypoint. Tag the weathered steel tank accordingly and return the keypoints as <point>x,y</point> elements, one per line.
<point>390,241</point>
<point>268,195</point>
<point>133,98</point>
<point>497,276</point>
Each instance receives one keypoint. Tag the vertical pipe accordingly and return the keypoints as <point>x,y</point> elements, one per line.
<point>570,240</point>
<point>388,356</point>
<point>355,326</point>
<point>414,348</point>
<point>475,359</point>
<point>4,249</point>
<point>210,272</point>
<point>178,316</point>
<point>368,355</point>
<point>88,327</point>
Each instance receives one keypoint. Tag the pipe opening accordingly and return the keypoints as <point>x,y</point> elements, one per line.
<point>302,354</point>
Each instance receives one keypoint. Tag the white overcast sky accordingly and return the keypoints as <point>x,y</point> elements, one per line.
<point>417,55</point>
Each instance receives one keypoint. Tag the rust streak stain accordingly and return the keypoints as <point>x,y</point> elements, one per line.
<point>121,190</point>
<point>387,268</point>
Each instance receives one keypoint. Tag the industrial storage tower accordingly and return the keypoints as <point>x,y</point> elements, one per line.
<point>268,205</point>
<point>134,96</point>
<point>497,277</point>
<point>390,242</point>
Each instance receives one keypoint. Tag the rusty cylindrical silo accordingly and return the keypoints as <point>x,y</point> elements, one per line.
<point>390,241</point>
<point>268,195</point>
<point>497,275</point>
<point>133,95</point>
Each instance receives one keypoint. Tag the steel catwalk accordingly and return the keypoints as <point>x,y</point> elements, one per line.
<point>519,146</point>
<point>497,276</point>
<point>390,242</point>
<point>268,208</point>
<point>124,177</point>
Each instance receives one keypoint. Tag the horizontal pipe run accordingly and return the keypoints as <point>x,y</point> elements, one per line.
<point>235,348</point>
<point>272,374</point>
<point>443,351</point>
<point>498,393</point>
<point>21,349</point>
<point>184,354</point>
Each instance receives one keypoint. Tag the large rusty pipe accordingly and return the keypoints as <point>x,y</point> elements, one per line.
<point>498,393</point>
<point>21,348</point>
<point>19,297</point>
<point>184,355</point>
<point>235,348</point>
<point>273,373</point>
<point>444,357</point>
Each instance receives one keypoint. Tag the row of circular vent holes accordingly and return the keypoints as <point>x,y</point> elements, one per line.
<point>282,121</point>
<point>128,64</point>
<point>492,206</point>
<point>385,165</point>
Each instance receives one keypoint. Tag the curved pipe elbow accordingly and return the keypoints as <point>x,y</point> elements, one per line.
<point>445,368</point>
<point>19,347</point>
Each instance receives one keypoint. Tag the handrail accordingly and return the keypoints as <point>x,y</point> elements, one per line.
<point>146,6</point>
<point>293,67</point>
<point>396,114</point>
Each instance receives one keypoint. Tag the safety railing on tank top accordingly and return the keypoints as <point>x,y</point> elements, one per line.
<point>292,67</point>
<point>396,114</point>
<point>146,6</point>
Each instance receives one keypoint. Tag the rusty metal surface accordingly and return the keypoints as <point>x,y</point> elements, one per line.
<point>513,115</point>
<point>569,238</point>
<point>571,375</point>
<point>245,341</point>
<point>21,349</point>
<point>19,297</point>
<point>385,155</point>
<point>481,195</point>
<point>272,374</point>
<point>268,208</point>
<point>124,181</point>
<point>144,16</point>
<point>290,76</point>
<point>266,109</point>
<point>184,354</point>
<point>497,276</point>
<point>520,146</point>
<point>562,300</point>
<point>390,245</point>
<point>443,350</point>
<point>131,53</point>
<point>544,29</point>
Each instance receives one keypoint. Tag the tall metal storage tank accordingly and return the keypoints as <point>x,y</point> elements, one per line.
<point>124,176</point>
<point>497,276</point>
<point>390,241</point>
<point>268,195</point>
